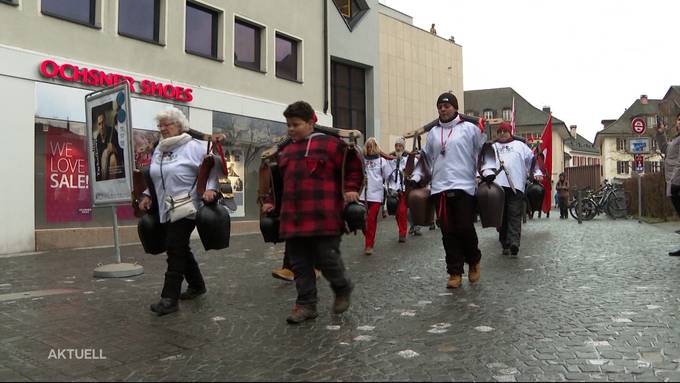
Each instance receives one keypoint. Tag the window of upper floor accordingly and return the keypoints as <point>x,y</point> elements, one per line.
<point>488,114</point>
<point>507,114</point>
<point>351,11</point>
<point>77,11</point>
<point>140,19</point>
<point>249,45</point>
<point>203,30</point>
<point>288,57</point>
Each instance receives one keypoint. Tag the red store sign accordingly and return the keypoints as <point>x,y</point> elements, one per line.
<point>95,77</point>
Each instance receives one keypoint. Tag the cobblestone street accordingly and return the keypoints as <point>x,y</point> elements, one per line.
<point>590,302</point>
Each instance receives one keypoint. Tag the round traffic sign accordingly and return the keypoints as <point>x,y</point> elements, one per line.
<point>638,124</point>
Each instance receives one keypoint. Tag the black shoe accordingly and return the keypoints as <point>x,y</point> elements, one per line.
<point>514,250</point>
<point>506,251</point>
<point>165,306</point>
<point>675,253</point>
<point>192,293</point>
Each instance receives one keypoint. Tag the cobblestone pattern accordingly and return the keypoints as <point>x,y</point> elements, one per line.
<point>590,302</point>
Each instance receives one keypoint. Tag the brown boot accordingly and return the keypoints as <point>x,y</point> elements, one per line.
<point>317,272</point>
<point>455,280</point>
<point>473,273</point>
<point>368,251</point>
<point>283,274</point>
<point>302,313</point>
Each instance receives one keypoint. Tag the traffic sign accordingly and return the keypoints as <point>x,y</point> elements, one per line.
<point>638,124</point>
<point>639,161</point>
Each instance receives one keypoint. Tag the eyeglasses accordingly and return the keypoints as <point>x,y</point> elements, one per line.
<point>166,124</point>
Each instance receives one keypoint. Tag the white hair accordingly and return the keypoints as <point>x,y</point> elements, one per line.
<point>174,115</point>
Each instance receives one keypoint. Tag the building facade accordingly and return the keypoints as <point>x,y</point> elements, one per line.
<point>232,66</point>
<point>416,67</point>
<point>578,151</point>
<point>613,141</point>
<point>529,120</point>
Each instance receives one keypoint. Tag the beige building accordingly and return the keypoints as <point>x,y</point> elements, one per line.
<point>416,67</point>
<point>232,66</point>
<point>614,141</point>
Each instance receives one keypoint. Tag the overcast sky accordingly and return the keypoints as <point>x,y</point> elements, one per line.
<point>588,60</point>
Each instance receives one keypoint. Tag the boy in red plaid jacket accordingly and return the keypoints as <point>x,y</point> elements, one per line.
<point>311,208</point>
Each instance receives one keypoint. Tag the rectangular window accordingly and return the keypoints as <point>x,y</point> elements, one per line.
<point>345,7</point>
<point>651,122</point>
<point>139,19</point>
<point>247,40</point>
<point>622,167</point>
<point>488,114</point>
<point>286,57</point>
<point>78,11</point>
<point>507,114</point>
<point>201,30</point>
<point>348,97</point>
<point>10,2</point>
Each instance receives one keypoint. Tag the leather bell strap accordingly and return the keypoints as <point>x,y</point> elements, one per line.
<point>224,161</point>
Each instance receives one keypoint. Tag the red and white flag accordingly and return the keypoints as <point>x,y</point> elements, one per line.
<point>545,148</point>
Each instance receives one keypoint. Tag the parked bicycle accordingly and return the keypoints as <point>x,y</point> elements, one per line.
<point>609,199</point>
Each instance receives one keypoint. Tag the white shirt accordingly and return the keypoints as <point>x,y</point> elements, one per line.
<point>377,172</point>
<point>516,157</point>
<point>456,167</point>
<point>396,180</point>
<point>180,169</point>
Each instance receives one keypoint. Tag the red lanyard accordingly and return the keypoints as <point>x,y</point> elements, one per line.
<point>441,138</point>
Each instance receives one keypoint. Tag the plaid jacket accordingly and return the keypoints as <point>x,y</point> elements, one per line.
<point>312,201</point>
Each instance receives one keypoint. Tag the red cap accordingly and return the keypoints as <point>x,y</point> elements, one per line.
<point>504,126</point>
<point>315,118</point>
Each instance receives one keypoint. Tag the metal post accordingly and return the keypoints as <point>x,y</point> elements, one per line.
<point>579,206</point>
<point>639,198</point>
<point>116,240</point>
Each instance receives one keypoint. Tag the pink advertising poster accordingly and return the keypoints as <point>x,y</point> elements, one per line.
<point>67,194</point>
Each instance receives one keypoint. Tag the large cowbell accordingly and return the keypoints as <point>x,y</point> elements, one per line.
<point>421,206</point>
<point>214,226</point>
<point>392,203</point>
<point>535,195</point>
<point>151,233</point>
<point>490,196</point>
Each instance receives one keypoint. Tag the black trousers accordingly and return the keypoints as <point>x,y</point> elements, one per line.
<point>458,230</point>
<point>511,228</point>
<point>675,197</point>
<point>181,262</point>
<point>564,206</point>
<point>322,252</point>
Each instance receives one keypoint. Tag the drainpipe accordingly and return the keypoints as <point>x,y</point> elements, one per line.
<point>325,56</point>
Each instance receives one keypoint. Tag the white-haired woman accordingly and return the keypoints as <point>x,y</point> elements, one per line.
<point>377,171</point>
<point>174,169</point>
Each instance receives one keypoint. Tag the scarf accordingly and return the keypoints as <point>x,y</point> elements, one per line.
<point>171,143</point>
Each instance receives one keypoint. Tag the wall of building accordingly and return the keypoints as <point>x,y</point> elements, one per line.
<point>359,47</point>
<point>416,68</point>
<point>26,27</point>
<point>610,156</point>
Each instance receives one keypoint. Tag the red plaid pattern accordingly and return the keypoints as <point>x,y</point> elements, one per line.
<point>312,201</point>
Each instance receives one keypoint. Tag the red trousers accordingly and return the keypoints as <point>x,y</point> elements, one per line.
<point>371,223</point>
<point>402,220</point>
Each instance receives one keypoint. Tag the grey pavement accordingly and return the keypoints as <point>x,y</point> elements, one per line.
<point>590,302</point>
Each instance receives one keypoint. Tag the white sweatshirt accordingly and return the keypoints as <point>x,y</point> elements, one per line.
<point>516,157</point>
<point>455,168</point>
<point>377,172</point>
<point>180,169</point>
<point>396,180</point>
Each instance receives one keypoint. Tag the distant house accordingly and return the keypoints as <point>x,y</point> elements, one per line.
<point>613,140</point>
<point>578,151</point>
<point>670,105</point>
<point>529,120</point>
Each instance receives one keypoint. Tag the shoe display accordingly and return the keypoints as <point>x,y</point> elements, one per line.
<point>192,293</point>
<point>455,280</point>
<point>283,274</point>
<point>474,272</point>
<point>165,306</point>
<point>302,313</point>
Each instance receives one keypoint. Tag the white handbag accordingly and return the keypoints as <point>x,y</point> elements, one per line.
<point>179,206</point>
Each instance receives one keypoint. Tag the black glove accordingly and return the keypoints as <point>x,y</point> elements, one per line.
<point>413,184</point>
<point>489,178</point>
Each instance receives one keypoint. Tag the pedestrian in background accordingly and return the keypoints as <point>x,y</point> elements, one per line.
<point>452,148</point>
<point>563,196</point>
<point>174,169</point>
<point>312,206</point>
<point>671,163</point>
<point>377,170</point>
<point>396,185</point>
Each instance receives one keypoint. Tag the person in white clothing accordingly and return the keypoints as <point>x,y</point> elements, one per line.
<point>516,158</point>
<point>451,151</point>
<point>396,186</point>
<point>377,171</point>
<point>174,169</point>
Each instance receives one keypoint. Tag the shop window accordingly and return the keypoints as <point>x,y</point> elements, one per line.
<point>77,11</point>
<point>202,30</point>
<point>351,11</point>
<point>248,45</point>
<point>139,19</point>
<point>348,96</point>
<point>507,114</point>
<point>287,57</point>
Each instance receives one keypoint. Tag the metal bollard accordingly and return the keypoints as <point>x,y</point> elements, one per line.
<point>579,206</point>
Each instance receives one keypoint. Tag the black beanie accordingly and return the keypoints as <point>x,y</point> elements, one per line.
<point>448,97</point>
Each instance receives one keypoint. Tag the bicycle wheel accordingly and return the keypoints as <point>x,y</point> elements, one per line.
<point>616,207</point>
<point>572,209</point>
<point>589,210</point>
